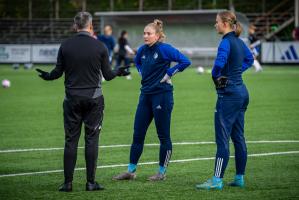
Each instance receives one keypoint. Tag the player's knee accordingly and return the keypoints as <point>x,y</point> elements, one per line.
<point>223,146</point>
<point>238,140</point>
<point>138,139</point>
<point>240,146</point>
<point>164,139</point>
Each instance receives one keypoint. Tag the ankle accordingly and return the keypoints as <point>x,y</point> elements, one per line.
<point>131,168</point>
<point>239,177</point>
<point>216,179</point>
<point>162,170</point>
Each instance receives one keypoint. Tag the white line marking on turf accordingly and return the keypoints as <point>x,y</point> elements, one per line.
<point>154,144</point>
<point>146,163</point>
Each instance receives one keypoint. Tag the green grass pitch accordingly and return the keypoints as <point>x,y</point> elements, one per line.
<point>31,117</point>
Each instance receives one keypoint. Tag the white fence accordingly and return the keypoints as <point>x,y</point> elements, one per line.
<point>272,52</point>
<point>15,53</point>
<point>45,53</point>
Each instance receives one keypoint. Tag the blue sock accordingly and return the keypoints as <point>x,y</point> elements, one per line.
<point>239,177</point>
<point>131,168</point>
<point>216,179</point>
<point>162,170</point>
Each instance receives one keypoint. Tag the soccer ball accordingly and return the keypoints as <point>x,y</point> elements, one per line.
<point>5,83</point>
<point>200,70</point>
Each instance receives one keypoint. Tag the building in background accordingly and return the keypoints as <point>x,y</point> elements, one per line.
<point>192,31</point>
<point>189,24</point>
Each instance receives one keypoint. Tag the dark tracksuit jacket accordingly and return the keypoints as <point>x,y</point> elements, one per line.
<point>233,58</point>
<point>83,60</point>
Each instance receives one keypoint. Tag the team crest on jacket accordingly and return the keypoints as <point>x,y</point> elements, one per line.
<point>155,55</point>
<point>143,57</point>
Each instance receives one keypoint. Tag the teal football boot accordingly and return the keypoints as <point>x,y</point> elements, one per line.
<point>211,184</point>
<point>238,181</point>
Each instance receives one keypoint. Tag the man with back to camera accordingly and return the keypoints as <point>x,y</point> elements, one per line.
<point>83,59</point>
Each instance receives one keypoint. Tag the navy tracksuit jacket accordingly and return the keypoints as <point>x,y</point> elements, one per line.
<point>233,58</point>
<point>156,99</point>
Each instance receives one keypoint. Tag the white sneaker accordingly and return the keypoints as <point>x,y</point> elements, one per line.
<point>129,77</point>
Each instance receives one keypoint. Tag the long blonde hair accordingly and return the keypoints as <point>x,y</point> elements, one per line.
<point>231,19</point>
<point>157,25</point>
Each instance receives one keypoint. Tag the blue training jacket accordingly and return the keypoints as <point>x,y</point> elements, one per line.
<point>108,41</point>
<point>233,58</point>
<point>153,62</point>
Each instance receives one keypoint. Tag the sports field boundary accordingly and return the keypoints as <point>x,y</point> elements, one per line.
<point>153,144</point>
<point>146,163</point>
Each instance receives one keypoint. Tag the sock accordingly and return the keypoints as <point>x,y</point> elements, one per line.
<point>162,170</point>
<point>131,168</point>
<point>216,179</point>
<point>239,177</point>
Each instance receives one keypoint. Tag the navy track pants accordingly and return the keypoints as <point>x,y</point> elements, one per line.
<point>231,106</point>
<point>158,107</point>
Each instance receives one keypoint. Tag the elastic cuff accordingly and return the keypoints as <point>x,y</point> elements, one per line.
<point>162,170</point>
<point>169,73</point>
<point>132,168</point>
<point>239,176</point>
<point>216,179</point>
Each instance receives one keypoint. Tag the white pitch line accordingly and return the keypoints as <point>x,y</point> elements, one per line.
<point>154,144</point>
<point>146,163</point>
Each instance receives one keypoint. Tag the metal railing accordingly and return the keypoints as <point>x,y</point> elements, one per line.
<point>24,31</point>
<point>270,23</point>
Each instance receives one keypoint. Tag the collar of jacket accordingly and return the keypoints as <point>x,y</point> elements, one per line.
<point>154,45</point>
<point>232,33</point>
<point>83,33</point>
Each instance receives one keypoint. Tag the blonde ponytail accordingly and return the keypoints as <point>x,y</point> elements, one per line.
<point>238,29</point>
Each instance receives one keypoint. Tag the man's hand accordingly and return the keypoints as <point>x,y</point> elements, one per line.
<point>166,79</point>
<point>122,71</point>
<point>44,75</point>
<point>220,82</point>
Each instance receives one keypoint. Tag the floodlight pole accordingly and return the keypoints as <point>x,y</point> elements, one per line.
<point>30,9</point>
<point>56,9</point>
<point>231,6</point>
<point>140,5</point>
<point>264,6</point>
<point>83,5</point>
<point>111,5</point>
<point>169,4</point>
<point>30,17</point>
<point>51,20</point>
<point>199,4</point>
<point>296,13</point>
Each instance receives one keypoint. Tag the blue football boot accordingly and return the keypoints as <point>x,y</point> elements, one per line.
<point>211,184</point>
<point>238,181</point>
